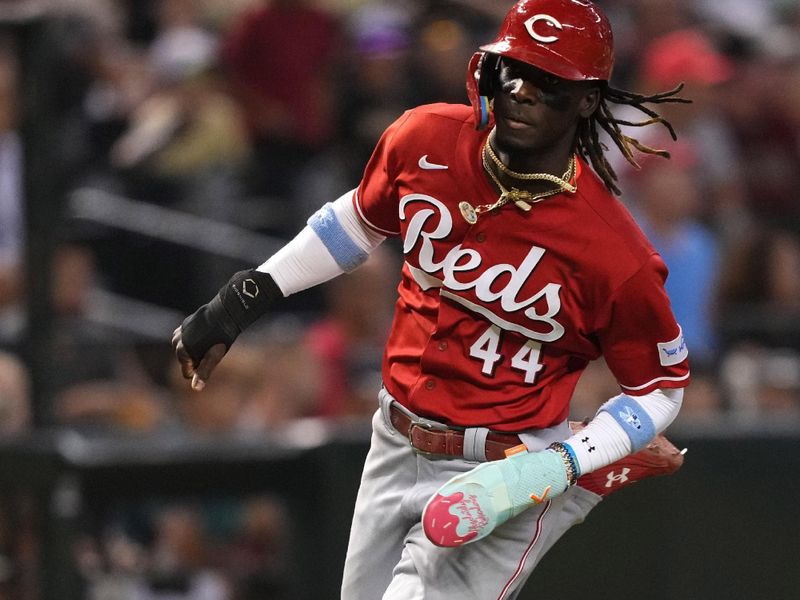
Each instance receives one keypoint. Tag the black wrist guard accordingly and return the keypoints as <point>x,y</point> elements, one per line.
<point>239,303</point>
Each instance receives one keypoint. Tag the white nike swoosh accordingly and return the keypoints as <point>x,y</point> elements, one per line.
<point>424,164</point>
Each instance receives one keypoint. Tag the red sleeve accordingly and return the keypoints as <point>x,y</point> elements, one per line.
<point>376,200</point>
<point>642,343</point>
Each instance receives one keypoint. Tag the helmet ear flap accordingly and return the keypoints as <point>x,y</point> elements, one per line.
<point>480,85</point>
<point>488,70</point>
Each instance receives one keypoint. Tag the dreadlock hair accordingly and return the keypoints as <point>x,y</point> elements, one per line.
<point>588,141</point>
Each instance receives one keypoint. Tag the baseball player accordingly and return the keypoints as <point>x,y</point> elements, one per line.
<point>520,268</point>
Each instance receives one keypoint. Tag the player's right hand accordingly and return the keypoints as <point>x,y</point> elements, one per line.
<point>200,372</point>
<point>205,336</point>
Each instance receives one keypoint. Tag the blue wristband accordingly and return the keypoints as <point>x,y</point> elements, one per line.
<point>341,246</point>
<point>633,419</point>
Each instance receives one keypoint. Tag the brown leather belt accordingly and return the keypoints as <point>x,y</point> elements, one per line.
<point>430,439</point>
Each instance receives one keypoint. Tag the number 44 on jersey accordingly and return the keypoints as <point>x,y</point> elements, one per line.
<point>487,350</point>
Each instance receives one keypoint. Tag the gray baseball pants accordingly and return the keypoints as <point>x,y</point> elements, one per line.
<point>389,556</point>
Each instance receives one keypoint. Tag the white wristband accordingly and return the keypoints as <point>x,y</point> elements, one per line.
<point>609,437</point>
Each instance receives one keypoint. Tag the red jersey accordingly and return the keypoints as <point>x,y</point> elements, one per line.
<point>496,321</point>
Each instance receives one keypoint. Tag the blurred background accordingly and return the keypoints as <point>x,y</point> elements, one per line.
<point>150,148</point>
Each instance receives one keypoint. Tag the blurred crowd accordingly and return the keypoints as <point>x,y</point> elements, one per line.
<point>253,113</point>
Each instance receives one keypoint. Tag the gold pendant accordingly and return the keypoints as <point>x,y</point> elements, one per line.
<point>468,212</point>
<point>522,205</point>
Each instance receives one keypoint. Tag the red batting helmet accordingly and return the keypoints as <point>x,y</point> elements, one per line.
<point>571,39</point>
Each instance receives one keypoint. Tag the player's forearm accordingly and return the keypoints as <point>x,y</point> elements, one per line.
<point>623,425</point>
<point>335,241</point>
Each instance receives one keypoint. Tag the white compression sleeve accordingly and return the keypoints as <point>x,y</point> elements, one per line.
<point>623,424</point>
<point>364,237</point>
<point>335,241</point>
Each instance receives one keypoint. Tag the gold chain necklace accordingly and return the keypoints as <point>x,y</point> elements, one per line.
<point>562,182</point>
<point>522,198</point>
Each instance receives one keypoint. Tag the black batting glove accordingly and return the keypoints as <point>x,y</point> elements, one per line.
<point>240,302</point>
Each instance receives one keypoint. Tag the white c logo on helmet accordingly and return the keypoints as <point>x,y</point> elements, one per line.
<point>541,38</point>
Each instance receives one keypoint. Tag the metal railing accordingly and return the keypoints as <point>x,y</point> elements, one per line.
<point>169,225</point>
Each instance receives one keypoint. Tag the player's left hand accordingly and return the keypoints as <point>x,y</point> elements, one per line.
<point>471,505</point>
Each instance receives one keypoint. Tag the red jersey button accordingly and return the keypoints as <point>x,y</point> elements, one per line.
<point>430,384</point>
<point>442,346</point>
